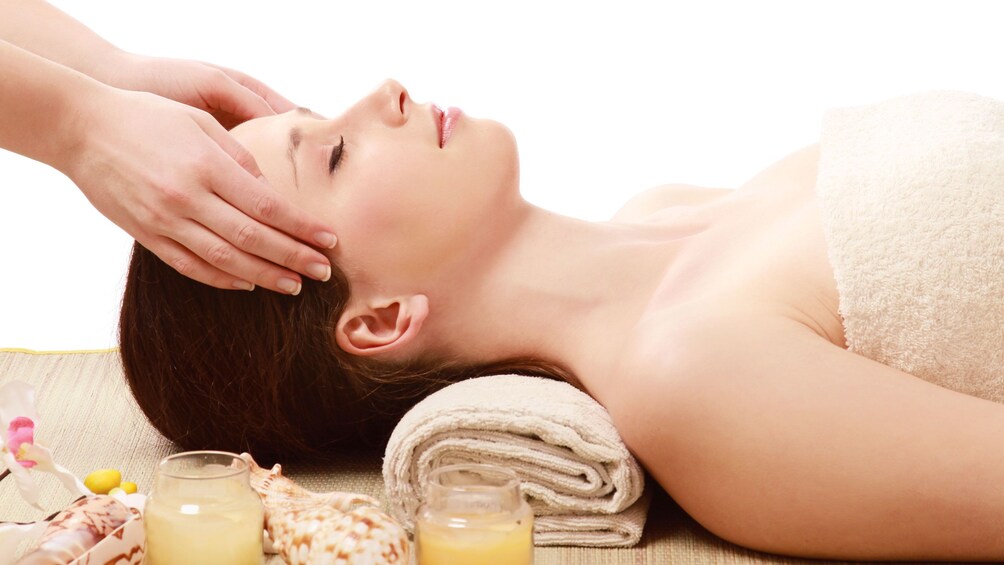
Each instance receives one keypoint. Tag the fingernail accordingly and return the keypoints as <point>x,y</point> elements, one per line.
<point>325,239</point>
<point>243,285</point>
<point>288,285</point>
<point>319,271</point>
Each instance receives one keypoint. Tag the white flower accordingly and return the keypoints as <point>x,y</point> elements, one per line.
<point>11,536</point>
<point>19,454</point>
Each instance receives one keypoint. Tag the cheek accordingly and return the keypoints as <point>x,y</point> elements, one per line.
<point>396,195</point>
<point>370,219</point>
<point>419,209</point>
<point>389,229</point>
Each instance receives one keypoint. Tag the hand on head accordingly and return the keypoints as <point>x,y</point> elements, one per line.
<point>161,167</point>
<point>181,185</point>
<point>176,180</point>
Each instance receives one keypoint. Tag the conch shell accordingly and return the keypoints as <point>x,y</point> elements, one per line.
<point>311,528</point>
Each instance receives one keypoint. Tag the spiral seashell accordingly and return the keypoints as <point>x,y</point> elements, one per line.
<point>340,528</point>
<point>277,490</point>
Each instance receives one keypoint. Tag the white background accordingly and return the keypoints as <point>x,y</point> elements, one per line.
<point>606,99</point>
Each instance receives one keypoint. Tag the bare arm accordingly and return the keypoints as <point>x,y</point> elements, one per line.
<point>782,442</point>
<point>38,98</point>
<point>50,33</point>
<point>111,143</point>
<point>183,187</point>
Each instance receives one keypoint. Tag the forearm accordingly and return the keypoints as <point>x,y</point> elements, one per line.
<point>41,106</point>
<point>43,29</point>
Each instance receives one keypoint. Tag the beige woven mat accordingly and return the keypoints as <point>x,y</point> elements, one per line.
<point>90,422</point>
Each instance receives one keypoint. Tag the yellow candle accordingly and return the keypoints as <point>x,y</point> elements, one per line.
<point>203,511</point>
<point>505,542</point>
<point>474,515</point>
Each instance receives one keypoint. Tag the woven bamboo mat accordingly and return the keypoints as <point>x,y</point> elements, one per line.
<point>89,420</point>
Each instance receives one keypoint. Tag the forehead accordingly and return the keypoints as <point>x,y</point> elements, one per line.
<point>268,141</point>
<point>278,125</point>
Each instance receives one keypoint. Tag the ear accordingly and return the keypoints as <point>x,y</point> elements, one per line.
<point>371,329</point>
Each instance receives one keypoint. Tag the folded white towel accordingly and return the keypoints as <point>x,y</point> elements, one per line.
<point>912,197</point>
<point>584,486</point>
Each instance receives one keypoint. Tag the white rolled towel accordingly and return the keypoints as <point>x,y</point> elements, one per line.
<point>583,484</point>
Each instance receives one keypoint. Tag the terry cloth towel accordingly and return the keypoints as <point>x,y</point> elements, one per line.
<point>584,486</point>
<point>912,198</point>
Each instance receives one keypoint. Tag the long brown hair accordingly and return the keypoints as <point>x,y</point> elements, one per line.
<point>261,372</point>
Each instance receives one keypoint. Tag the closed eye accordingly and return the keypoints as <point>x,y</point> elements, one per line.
<point>336,155</point>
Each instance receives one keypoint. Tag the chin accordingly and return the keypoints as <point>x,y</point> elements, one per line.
<point>502,132</point>
<point>498,144</point>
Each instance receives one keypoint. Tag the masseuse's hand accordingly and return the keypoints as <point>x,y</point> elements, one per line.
<point>230,96</point>
<point>175,179</point>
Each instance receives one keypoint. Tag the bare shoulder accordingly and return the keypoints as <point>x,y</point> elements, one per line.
<point>643,206</point>
<point>770,436</point>
<point>788,176</point>
<point>707,356</point>
<point>790,171</point>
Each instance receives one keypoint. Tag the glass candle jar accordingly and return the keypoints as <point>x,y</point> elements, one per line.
<point>203,511</point>
<point>474,515</point>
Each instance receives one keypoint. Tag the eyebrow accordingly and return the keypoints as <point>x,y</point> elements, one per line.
<point>295,137</point>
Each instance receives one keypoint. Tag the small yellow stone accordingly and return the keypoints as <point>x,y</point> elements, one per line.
<point>116,490</point>
<point>129,487</point>
<point>103,480</point>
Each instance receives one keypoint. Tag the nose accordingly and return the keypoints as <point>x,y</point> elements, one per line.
<point>392,103</point>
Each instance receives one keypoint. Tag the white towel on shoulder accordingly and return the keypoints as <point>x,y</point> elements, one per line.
<point>912,197</point>
<point>584,486</point>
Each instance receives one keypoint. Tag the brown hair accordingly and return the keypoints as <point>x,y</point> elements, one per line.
<point>261,372</point>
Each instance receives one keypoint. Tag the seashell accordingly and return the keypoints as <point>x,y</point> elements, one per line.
<point>277,490</point>
<point>76,530</point>
<point>311,528</point>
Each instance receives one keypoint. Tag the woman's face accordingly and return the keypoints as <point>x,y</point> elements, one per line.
<point>401,204</point>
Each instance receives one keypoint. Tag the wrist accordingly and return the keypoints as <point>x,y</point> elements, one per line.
<point>116,68</point>
<point>79,120</point>
<point>46,106</point>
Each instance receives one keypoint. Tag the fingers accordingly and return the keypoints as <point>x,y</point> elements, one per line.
<point>192,266</point>
<point>254,251</point>
<point>199,202</point>
<point>207,239</point>
<point>201,254</point>
<point>223,255</point>
<point>276,101</point>
<point>257,234</point>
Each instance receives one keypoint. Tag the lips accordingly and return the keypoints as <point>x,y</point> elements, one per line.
<point>446,122</point>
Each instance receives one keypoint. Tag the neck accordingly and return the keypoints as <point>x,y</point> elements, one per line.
<point>557,289</point>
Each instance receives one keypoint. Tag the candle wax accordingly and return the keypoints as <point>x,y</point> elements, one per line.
<point>476,543</point>
<point>218,527</point>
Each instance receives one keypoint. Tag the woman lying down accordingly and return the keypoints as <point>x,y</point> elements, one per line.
<point>809,364</point>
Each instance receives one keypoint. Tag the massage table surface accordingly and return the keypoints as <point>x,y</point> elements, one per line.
<point>89,420</point>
